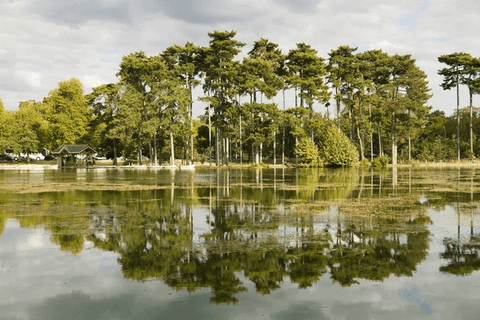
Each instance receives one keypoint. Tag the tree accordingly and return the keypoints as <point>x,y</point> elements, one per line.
<point>220,71</point>
<point>453,76</point>
<point>29,127</point>
<point>307,76</point>
<point>261,121</point>
<point>378,101</point>
<point>417,96</point>
<point>104,102</point>
<point>307,153</point>
<point>67,113</point>
<point>336,149</point>
<point>258,73</point>
<point>471,73</point>
<point>6,122</point>
<point>185,58</point>
<point>171,99</point>
<point>136,70</point>
<point>339,65</point>
<point>127,123</point>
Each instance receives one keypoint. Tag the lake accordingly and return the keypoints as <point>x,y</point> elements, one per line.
<point>129,243</point>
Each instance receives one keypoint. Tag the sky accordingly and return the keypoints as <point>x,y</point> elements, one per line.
<point>45,42</point>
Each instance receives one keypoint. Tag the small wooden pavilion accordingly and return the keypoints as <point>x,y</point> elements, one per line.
<point>74,155</point>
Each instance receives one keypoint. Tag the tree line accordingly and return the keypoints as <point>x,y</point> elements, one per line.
<point>380,101</point>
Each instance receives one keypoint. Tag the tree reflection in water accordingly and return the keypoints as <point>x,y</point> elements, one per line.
<point>260,226</point>
<point>463,253</point>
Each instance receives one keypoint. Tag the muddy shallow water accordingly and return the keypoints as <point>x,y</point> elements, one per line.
<point>108,243</point>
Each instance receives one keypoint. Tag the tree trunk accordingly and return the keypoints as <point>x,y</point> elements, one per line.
<point>471,125</point>
<point>371,133</point>
<point>394,138</point>
<point>274,147</point>
<point>261,152</point>
<point>155,149</point>
<point>241,147</point>
<point>217,147</point>
<point>209,136</point>
<point>139,143</point>
<point>283,121</point>
<point>409,148</point>
<point>338,109</point>
<point>114,153</point>
<point>458,118</point>
<point>409,137</point>
<point>350,123</point>
<point>227,150</point>
<point>172,148</point>
<point>191,123</point>
<point>380,147</point>
<point>296,146</point>
<point>361,144</point>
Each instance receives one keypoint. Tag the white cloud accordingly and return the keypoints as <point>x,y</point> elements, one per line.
<point>34,79</point>
<point>91,81</point>
<point>385,45</point>
<point>42,44</point>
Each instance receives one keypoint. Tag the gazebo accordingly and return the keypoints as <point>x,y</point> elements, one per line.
<point>74,155</point>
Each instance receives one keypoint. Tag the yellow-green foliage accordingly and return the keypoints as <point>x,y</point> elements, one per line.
<point>336,149</point>
<point>307,153</point>
<point>381,162</point>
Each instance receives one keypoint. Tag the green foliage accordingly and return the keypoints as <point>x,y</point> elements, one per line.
<point>6,123</point>
<point>67,113</point>
<point>364,163</point>
<point>307,153</point>
<point>29,127</point>
<point>336,149</point>
<point>381,162</point>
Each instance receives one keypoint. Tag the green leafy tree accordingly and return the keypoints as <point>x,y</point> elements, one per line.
<point>335,74</point>
<point>308,71</point>
<point>453,76</point>
<point>307,153</point>
<point>185,60</point>
<point>136,71</point>
<point>220,70</point>
<point>471,78</point>
<point>416,108</point>
<point>127,123</point>
<point>104,102</point>
<point>336,149</point>
<point>6,123</point>
<point>67,113</point>
<point>29,127</point>
<point>172,101</point>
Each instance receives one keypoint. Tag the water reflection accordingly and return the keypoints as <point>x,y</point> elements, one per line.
<point>204,229</point>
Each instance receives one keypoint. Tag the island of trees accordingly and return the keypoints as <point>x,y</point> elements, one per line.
<point>380,103</point>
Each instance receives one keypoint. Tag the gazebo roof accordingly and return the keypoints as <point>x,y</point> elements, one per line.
<point>73,149</point>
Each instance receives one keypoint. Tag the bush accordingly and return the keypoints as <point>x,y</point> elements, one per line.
<point>381,162</point>
<point>336,149</point>
<point>364,163</point>
<point>307,153</point>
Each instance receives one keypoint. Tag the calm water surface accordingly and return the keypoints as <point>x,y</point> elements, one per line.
<point>239,244</point>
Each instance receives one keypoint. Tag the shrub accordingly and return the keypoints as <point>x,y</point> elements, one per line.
<point>336,149</point>
<point>307,153</point>
<point>364,163</point>
<point>381,162</point>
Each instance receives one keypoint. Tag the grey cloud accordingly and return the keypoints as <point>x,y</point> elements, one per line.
<point>357,7</point>
<point>300,5</point>
<point>301,311</point>
<point>200,12</point>
<point>78,12</point>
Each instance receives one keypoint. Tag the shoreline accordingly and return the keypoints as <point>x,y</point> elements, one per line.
<point>108,165</point>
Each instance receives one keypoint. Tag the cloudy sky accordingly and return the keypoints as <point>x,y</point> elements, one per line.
<point>44,42</point>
